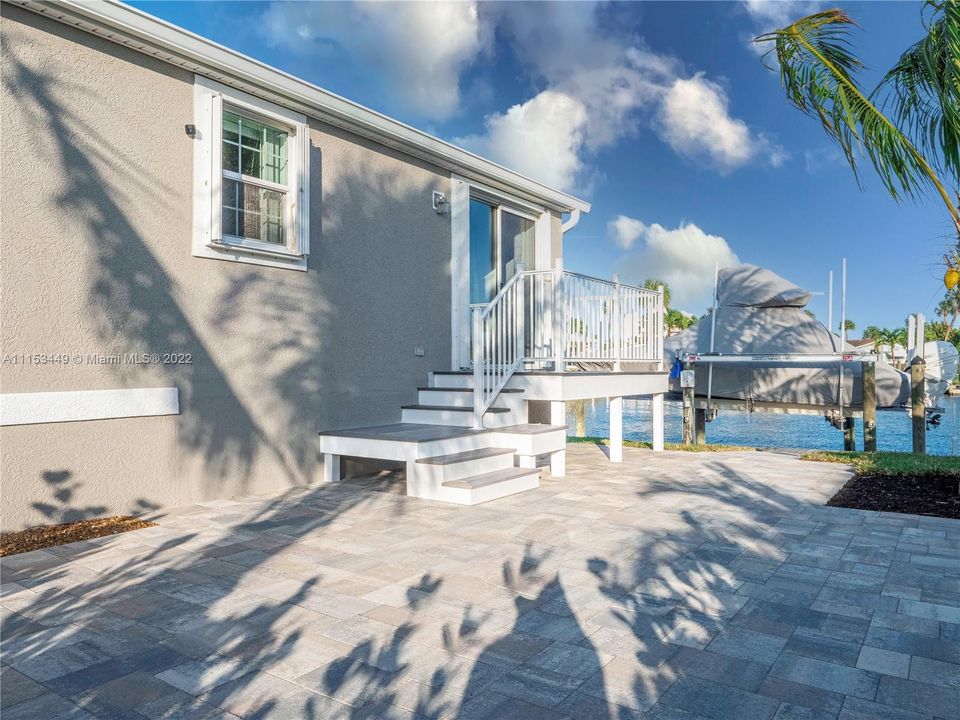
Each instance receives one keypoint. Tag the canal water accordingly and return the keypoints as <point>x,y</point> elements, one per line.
<point>779,431</point>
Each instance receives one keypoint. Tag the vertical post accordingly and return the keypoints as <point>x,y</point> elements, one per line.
<point>616,429</point>
<point>617,328</point>
<point>830,307</point>
<point>558,458</point>
<point>911,338</point>
<point>713,332</point>
<point>869,393</point>
<point>558,319</point>
<point>476,342</point>
<point>656,409</point>
<point>918,412</point>
<point>843,308</point>
<point>331,468</point>
<point>661,320</point>
<point>688,407</point>
<point>849,435</point>
<point>700,427</point>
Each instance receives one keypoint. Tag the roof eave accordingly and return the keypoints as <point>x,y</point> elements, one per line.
<point>128,26</point>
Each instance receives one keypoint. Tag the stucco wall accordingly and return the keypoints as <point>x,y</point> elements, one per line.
<point>96,259</point>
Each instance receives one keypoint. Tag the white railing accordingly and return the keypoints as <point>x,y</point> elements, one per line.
<point>543,317</point>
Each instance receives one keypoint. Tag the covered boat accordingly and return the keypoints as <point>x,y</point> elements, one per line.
<point>759,312</point>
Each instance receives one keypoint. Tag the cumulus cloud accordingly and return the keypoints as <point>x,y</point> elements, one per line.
<point>542,138</point>
<point>769,14</point>
<point>683,257</point>
<point>694,119</point>
<point>625,231</point>
<point>418,49</point>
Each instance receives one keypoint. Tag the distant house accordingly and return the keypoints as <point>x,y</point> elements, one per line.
<point>207,262</point>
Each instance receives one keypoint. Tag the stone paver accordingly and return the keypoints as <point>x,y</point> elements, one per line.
<point>670,586</point>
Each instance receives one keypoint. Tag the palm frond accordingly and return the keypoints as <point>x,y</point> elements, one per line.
<point>817,68</point>
<point>923,89</point>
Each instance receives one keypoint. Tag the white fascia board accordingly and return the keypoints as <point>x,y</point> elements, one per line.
<point>170,43</point>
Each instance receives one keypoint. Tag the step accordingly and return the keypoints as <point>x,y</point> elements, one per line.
<point>463,397</point>
<point>403,441</point>
<point>456,416</point>
<point>454,466</point>
<point>490,486</point>
<point>531,439</point>
<point>452,379</point>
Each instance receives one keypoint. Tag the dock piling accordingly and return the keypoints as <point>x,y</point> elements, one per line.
<point>869,379</point>
<point>918,412</point>
<point>687,383</point>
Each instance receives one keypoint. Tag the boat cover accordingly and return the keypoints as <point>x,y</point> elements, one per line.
<point>760,312</point>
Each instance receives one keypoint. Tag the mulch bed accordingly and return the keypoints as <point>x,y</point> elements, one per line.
<point>49,535</point>
<point>928,495</point>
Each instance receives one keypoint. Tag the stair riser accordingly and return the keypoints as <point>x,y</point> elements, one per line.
<point>395,450</point>
<point>514,401</point>
<point>457,471</point>
<point>457,381</point>
<point>540,444</point>
<point>463,496</point>
<point>456,418</point>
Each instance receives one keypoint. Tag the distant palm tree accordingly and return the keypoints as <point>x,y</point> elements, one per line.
<point>949,307</point>
<point>921,134</point>
<point>849,325</point>
<point>872,332</point>
<point>654,284</point>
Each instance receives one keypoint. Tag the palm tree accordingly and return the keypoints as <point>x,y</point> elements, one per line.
<point>654,284</point>
<point>872,332</point>
<point>920,138</point>
<point>949,307</point>
<point>849,325</point>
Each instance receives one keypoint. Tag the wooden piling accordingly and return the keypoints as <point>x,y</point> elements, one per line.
<point>700,427</point>
<point>918,413</point>
<point>869,392</point>
<point>849,434</point>
<point>687,406</point>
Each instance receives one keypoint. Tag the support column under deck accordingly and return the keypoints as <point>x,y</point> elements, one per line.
<point>558,458</point>
<point>331,468</point>
<point>616,429</point>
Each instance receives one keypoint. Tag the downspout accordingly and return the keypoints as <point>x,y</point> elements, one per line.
<point>571,223</point>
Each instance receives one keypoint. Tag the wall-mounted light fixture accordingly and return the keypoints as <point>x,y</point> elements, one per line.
<point>190,130</point>
<point>439,202</point>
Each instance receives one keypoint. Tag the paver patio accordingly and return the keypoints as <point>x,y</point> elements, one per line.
<point>671,586</point>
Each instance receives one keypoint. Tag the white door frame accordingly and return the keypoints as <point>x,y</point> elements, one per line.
<point>460,193</point>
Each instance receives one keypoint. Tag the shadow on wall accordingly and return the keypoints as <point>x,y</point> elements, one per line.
<point>307,363</point>
<point>63,509</point>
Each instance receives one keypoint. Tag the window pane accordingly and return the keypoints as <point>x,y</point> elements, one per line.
<point>257,213</point>
<point>231,127</point>
<point>231,157</point>
<point>516,244</point>
<point>483,268</point>
<point>254,148</point>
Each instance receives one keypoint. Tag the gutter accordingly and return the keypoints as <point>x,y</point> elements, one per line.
<point>571,223</point>
<point>169,43</point>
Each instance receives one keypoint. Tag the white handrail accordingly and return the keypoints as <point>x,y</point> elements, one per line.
<point>543,317</point>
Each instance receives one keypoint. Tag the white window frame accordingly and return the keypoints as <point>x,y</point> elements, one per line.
<point>210,99</point>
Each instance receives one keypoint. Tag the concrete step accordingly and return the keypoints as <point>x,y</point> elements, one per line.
<point>404,441</point>
<point>452,379</point>
<point>456,416</point>
<point>463,397</point>
<point>531,439</point>
<point>490,486</point>
<point>454,466</point>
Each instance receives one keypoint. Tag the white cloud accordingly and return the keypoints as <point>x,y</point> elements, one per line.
<point>419,49</point>
<point>694,119</point>
<point>682,257</point>
<point>542,138</point>
<point>770,14</point>
<point>625,231</point>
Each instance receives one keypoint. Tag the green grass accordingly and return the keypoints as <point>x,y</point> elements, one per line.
<point>666,446</point>
<point>890,463</point>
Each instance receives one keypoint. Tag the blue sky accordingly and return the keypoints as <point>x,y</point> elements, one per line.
<point>660,114</point>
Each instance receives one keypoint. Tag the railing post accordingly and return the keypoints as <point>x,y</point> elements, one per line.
<point>617,319</point>
<point>661,320</point>
<point>476,341</point>
<point>558,318</point>
<point>519,312</point>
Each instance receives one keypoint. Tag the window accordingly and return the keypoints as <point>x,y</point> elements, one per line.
<point>252,189</point>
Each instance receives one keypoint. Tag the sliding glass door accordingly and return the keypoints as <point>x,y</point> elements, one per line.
<point>501,241</point>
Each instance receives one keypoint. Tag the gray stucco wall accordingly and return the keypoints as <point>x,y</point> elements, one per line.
<point>96,258</point>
